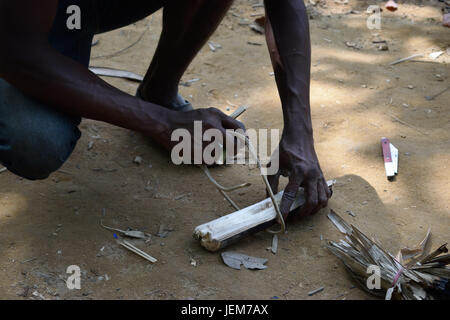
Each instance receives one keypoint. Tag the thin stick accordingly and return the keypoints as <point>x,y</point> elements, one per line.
<point>266,181</point>
<point>405,59</point>
<point>238,112</point>
<point>313,292</point>
<point>3,170</point>
<point>407,124</point>
<point>137,251</point>
<point>220,187</point>
<point>227,197</point>
<point>429,98</point>
<point>111,229</point>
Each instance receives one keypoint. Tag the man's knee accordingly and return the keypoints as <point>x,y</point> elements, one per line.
<point>34,140</point>
<point>38,161</point>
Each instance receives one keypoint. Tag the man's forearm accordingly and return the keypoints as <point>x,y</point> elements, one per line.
<point>66,85</point>
<point>290,50</point>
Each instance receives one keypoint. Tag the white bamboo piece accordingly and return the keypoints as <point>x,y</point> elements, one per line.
<point>220,232</point>
<point>137,251</point>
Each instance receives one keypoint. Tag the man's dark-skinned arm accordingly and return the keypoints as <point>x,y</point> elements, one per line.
<point>28,62</point>
<point>287,33</point>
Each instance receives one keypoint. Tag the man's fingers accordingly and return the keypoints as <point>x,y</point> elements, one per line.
<point>289,195</point>
<point>230,123</point>
<point>311,196</point>
<point>323,195</point>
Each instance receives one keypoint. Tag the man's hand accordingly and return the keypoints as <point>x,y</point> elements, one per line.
<point>211,118</point>
<point>298,161</point>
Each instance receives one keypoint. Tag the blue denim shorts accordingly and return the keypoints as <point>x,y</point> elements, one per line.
<point>35,139</point>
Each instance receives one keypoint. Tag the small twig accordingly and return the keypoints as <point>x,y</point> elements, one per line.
<point>65,172</point>
<point>311,293</point>
<point>232,104</point>
<point>109,228</point>
<point>236,114</point>
<point>3,170</point>
<point>429,98</point>
<point>227,197</point>
<point>220,187</point>
<point>130,233</point>
<point>406,124</point>
<point>29,260</point>
<point>405,59</point>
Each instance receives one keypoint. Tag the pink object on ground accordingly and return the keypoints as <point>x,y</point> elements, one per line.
<point>446,20</point>
<point>391,5</point>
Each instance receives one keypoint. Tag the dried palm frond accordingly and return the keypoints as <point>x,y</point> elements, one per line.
<point>412,275</point>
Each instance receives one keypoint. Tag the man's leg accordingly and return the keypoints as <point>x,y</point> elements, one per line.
<point>187,25</point>
<point>34,139</point>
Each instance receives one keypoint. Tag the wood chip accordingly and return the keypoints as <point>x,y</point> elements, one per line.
<point>138,160</point>
<point>350,212</point>
<point>435,55</point>
<point>256,27</point>
<point>274,247</point>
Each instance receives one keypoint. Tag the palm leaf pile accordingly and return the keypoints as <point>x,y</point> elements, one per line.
<point>411,275</point>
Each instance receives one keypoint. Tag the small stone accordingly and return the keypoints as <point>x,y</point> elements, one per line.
<point>23,292</point>
<point>138,160</point>
<point>383,47</point>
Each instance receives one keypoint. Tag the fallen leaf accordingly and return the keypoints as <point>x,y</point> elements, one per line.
<point>235,260</point>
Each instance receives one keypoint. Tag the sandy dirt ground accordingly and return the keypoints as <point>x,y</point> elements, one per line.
<point>357,98</point>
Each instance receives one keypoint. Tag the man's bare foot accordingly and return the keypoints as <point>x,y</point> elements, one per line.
<point>391,5</point>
